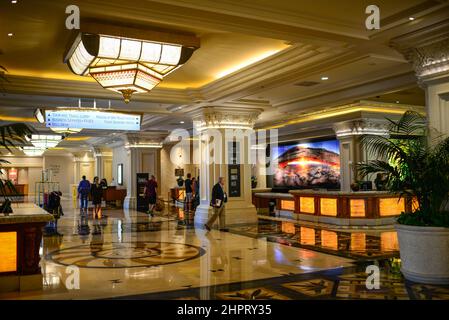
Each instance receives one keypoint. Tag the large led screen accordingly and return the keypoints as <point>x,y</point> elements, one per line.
<point>307,165</point>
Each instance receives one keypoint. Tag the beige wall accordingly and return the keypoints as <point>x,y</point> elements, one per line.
<point>120,155</point>
<point>62,171</point>
<point>168,178</point>
<point>29,169</point>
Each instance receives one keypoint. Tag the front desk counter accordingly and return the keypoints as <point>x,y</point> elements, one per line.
<point>20,240</point>
<point>335,207</point>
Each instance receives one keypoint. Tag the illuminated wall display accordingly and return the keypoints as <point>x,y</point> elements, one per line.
<point>328,207</point>
<point>120,174</point>
<point>307,204</point>
<point>391,206</point>
<point>92,119</point>
<point>358,208</point>
<point>288,205</point>
<point>8,252</point>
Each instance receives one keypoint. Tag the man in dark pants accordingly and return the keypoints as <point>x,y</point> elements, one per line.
<point>219,198</point>
<point>189,191</point>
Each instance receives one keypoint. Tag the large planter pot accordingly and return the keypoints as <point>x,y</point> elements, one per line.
<point>424,253</point>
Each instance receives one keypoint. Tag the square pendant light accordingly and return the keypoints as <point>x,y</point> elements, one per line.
<point>126,65</point>
<point>33,151</point>
<point>44,141</point>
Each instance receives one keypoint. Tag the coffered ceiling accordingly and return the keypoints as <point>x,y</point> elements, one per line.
<point>270,55</point>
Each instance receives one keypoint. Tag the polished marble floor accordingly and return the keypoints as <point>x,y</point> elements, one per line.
<point>128,254</point>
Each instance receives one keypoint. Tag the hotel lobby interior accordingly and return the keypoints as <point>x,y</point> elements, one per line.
<point>326,121</point>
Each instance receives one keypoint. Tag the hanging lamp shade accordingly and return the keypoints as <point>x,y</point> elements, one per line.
<point>125,65</point>
<point>66,130</point>
<point>44,141</point>
<point>33,151</point>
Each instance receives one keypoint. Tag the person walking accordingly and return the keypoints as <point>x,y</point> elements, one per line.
<point>195,194</point>
<point>83,193</point>
<point>219,198</point>
<point>189,193</point>
<point>96,192</point>
<point>150,192</point>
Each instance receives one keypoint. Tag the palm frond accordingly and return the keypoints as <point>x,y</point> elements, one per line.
<point>13,135</point>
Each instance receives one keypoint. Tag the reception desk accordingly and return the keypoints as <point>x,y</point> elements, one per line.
<point>336,207</point>
<point>20,239</point>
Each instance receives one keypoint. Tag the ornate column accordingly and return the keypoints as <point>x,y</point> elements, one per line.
<point>351,150</point>
<point>218,131</point>
<point>101,156</point>
<point>428,51</point>
<point>142,156</point>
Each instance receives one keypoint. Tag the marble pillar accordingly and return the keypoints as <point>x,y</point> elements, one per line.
<point>217,129</point>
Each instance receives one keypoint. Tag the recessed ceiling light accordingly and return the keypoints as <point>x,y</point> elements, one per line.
<point>324,78</point>
<point>14,1</point>
<point>411,18</point>
<point>397,101</point>
<point>181,122</point>
<point>10,34</point>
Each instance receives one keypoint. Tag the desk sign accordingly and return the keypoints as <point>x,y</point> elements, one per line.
<point>92,119</point>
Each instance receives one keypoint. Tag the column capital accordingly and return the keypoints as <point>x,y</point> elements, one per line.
<point>427,49</point>
<point>225,117</point>
<point>144,139</point>
<point>360,127</point>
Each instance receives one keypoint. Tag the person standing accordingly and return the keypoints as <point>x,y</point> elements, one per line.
<point>150,192</point>
<point>96,192</point>
<point>83,193</point>
<point>219,198</point>
<point>189,193</point>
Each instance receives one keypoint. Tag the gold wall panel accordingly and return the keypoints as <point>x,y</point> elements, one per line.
<point>307,204</point>
<point>328,207</point>
<point>329,239</point>
<point>391,206</point>
<point>288,205</point>
<point>8,251</point>
<point>415,204</point>
<point>307,236</point>
<point>357,208</point>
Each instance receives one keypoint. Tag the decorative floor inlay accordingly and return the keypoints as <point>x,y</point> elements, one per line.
<point>426,292</point>
<point>125,255</point>
<point>252,294</point>
<point>353,286</point>
<point>313,288</point>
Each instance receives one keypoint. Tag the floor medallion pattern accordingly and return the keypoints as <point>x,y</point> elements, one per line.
<point>125,255</point>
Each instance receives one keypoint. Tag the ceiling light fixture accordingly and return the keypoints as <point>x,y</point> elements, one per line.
<point>125,65</point>
<point>32,151</point>
<point>411,18</point>
<point>44,141</point>
<point>10,34</point>
<point>39,115</point>
<point>66,130</point>
<point>324,78</point>
<point>181,122</point>
<point>13,1</point>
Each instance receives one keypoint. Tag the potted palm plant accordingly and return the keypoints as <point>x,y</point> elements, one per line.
<point>417,168</point>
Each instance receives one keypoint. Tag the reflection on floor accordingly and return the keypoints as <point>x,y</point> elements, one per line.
<point>128,254</point>
<point>359,244</point>
<point>340,284</point>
